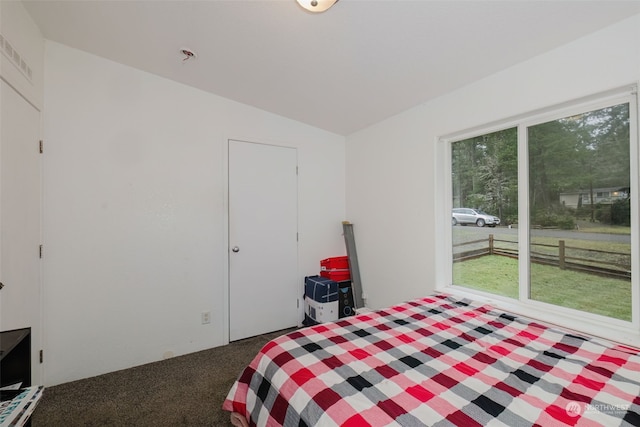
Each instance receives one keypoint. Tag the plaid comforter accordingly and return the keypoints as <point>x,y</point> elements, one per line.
<point>438,361</point>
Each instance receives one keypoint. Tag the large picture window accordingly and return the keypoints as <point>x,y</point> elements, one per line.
<point>580,211</point>
<point>543,210</point>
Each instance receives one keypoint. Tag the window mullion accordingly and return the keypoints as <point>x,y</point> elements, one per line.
<point>634,159</point>
<point>523,215</point>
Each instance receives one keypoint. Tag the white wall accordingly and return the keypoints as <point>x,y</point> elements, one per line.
<point>392,190</point>
<point>134,211</point>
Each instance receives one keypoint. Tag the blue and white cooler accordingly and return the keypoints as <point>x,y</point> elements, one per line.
<point>320,300</point>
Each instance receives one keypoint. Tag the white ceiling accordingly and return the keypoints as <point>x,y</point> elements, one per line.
<point>354,65</point>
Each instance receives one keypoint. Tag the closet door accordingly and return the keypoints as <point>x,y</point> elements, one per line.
<point>263,284</point>
<point>20,186</point>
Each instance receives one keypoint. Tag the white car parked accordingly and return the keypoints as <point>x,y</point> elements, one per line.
<point>464,216</point>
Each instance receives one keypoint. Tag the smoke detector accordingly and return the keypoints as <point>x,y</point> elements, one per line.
<point>188,54</point>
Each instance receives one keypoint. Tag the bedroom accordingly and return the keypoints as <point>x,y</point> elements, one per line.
<point>384,175</point>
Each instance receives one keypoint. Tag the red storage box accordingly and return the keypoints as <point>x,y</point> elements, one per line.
<point>335,263</point>
<point>336,275</point>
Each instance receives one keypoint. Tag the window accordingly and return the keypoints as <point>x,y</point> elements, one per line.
<point>581,256</point>
<point>553,218</point>
<point>485,186</point>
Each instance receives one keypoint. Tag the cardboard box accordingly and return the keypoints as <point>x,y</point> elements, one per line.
<point>322,311</point>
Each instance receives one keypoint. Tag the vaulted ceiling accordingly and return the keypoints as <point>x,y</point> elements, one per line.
<point>342,70</point>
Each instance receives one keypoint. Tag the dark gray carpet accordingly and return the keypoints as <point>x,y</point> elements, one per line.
<point>182,391</point>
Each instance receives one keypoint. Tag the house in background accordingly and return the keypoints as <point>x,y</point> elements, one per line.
<point>605,196</point>
<point>133,182</point>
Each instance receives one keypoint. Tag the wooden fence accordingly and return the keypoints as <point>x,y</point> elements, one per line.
<point>603,263</point>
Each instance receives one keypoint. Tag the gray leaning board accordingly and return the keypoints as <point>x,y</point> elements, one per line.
<point>356,282</point>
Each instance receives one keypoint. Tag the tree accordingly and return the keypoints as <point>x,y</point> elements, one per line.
<point>553,165</point>
<point>602,142</point>
<point>485,172</point>
<point>585,151</point>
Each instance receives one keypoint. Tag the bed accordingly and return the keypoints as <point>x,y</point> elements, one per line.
<point>438,361</point>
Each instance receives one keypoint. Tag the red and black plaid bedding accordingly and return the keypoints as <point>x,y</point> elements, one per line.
<point>438,361</point>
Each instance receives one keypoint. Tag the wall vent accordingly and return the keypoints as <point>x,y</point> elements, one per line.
<point>15,58</point>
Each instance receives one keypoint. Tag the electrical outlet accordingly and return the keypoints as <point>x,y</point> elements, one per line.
<point>206,317</point>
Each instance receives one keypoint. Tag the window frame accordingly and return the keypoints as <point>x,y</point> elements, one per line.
<point>619,330</point>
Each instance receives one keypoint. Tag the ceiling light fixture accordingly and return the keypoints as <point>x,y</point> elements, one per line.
<point>316,5</point>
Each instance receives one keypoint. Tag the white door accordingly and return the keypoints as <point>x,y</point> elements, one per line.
<point>263,283</point>
<point>20,304</point>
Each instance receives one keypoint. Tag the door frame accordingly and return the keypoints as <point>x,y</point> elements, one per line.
<point>226,294</point>
<point>38,344</point>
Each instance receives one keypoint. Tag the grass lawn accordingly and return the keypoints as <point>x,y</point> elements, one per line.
<point>571,289</point>
<point>594,227</point>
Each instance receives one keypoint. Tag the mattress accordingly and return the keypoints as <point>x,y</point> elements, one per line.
<point>438,361</point>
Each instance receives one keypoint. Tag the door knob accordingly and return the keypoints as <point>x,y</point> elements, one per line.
<point>235,249</point>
